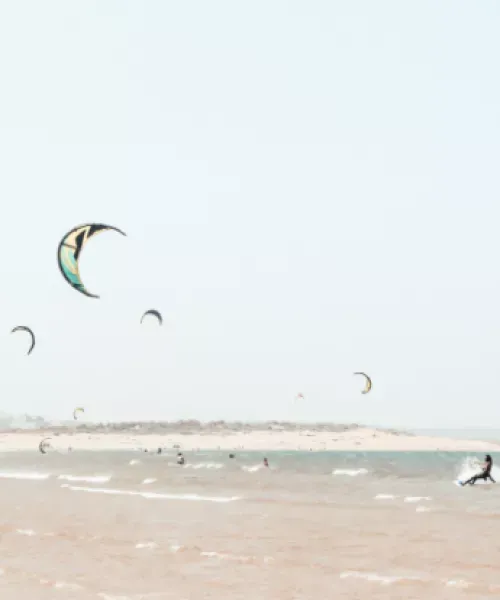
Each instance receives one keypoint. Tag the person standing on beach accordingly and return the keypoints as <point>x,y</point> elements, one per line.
<point>266,464</point>
<point>485,473</point>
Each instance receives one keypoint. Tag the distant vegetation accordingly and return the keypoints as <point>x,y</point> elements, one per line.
<point>185,427</point>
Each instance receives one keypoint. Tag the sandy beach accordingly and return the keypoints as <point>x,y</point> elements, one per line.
<point>352,438</point>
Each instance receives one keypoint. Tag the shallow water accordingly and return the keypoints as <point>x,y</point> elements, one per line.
<point>120,526</point>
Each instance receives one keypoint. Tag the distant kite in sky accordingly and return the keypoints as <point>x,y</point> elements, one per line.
<point>154,313</point>
<point>70,247</point>
<point>43,445</point>
<point>368,382</point>
<point>77,410</point>
<point>28,330</point>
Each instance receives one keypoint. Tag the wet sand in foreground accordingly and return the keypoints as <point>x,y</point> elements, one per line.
<point>134,526</point>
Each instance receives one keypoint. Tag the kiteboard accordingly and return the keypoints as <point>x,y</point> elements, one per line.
<point>481,482</point>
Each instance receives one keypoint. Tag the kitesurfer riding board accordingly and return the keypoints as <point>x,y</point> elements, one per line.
<point>485,474</point>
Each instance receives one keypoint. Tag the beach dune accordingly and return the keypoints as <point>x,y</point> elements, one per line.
<point>230,437</point>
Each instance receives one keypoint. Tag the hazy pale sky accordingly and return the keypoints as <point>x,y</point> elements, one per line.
<point>309,189</point>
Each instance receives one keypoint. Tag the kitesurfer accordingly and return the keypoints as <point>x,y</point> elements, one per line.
<point>485,473</point>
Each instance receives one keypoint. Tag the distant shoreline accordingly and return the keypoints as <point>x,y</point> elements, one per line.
<point>188,427</point>
<point>192,435</point>
<point>471,433</point>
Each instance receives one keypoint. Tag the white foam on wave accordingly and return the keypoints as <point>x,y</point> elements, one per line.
<point>254,468</point>
<point>146,545</point>
<point>458,583</point>
<point>86,478</point>
<point>385,497</point>
<point>149,480</point>
<point>421,509</point>
<point>134,462</point>
<point>61,585</point>
<point>235,557</point>
<point>417,498</point>
<point>28,532</point>
<point>105,596</point>
<point>350,472</point>
<point>382,579</point>
<point>152,495</point>
<point>193,497</point>
<point>28,476</point>
<point>230,557</point>
<point>394,579</point>
<point>204,465</point>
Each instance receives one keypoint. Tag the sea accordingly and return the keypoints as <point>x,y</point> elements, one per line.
<point>314,525</point>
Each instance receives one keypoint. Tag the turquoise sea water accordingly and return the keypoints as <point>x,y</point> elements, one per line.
<point>425,465</point>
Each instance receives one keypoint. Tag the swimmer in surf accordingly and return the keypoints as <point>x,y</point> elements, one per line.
<point>485,473</point>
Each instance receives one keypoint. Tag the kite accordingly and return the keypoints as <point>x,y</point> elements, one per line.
<point>28,330</point>
<point>43,444</point>
<point>155,313</point>
<point>69,251</point>
<point>76,411</point>
<point>368,385</point>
